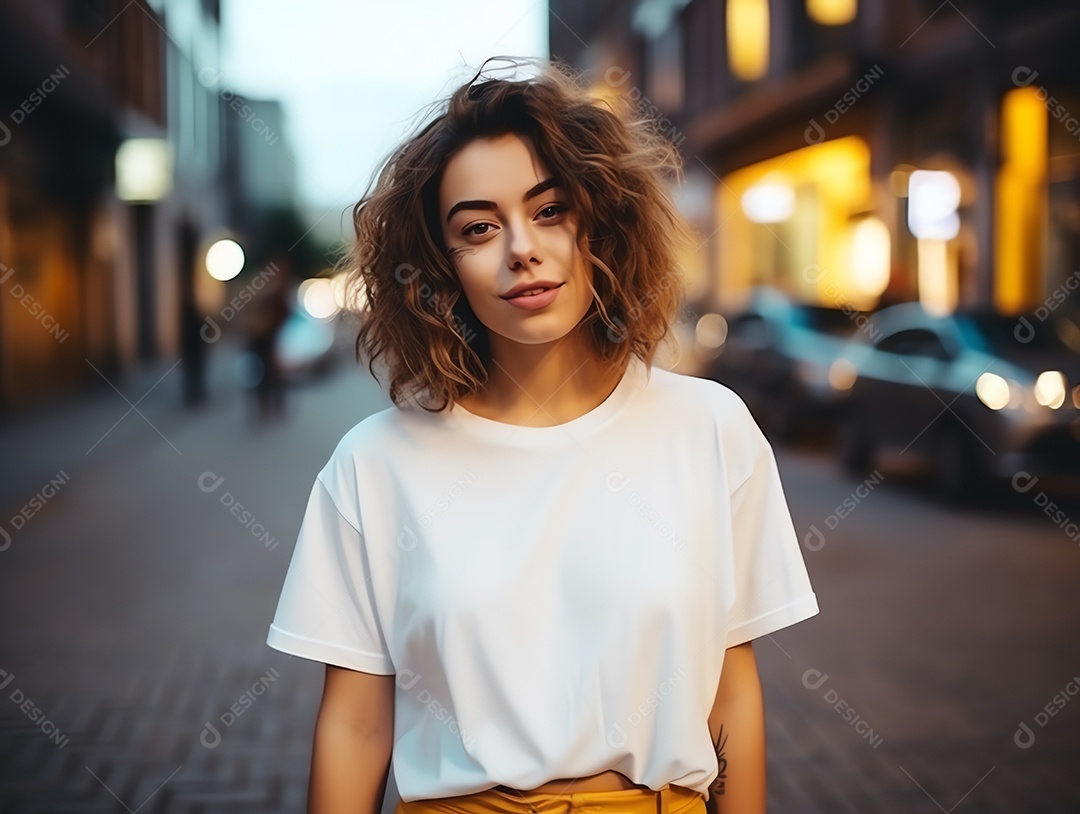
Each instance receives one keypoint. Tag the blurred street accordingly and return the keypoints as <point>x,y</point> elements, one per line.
<point>137,597</point>
<point>884,197</point>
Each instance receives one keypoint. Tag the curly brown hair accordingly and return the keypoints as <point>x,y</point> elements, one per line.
<point>614,166</point>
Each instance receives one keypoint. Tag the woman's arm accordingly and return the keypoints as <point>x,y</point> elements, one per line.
<point>737,726</point>
<point>354,739</point>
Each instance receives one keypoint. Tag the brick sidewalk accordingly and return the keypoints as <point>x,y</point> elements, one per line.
<point>135,607</point>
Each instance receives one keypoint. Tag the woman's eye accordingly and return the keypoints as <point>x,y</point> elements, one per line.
<point>553,211</point>
<point>476,230</point>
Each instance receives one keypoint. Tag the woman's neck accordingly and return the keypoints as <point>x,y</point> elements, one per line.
<point>543,385</point>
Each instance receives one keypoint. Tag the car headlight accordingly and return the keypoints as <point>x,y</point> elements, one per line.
<point>1051,389</point>
<point>993,391</point>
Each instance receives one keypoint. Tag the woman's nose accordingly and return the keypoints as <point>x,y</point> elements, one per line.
<point>522,250</point>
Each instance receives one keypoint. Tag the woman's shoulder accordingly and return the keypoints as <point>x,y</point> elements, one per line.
<point>683,393</point>
<point>705,406</point>
<point>368,448</point>
<point>372,436</point>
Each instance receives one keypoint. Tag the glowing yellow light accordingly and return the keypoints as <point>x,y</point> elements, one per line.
<point>769,202</point>
<point>871,257</point>
<point>143,170</point>
<point>1051,388</point>
<point>337,285</point>
<point>831,181</point>
<point>224,259</point>
<point>1020,199</point>
<point>992,390</point>
<point>832,12</point>
<point>317,297</point>
<point>937,282</point>
<point>748,38</point>
<point>348,296</point>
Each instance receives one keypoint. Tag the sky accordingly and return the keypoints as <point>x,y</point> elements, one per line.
<point>354,75</point>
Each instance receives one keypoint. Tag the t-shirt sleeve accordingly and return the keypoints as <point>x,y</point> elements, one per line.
<point>772,586</point>
<point>327,610</point>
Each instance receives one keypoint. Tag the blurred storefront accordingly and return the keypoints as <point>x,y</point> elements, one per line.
<point>859,152</point>
<point>111,157</point>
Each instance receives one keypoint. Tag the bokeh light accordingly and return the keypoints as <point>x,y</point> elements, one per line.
<point>224,259</point>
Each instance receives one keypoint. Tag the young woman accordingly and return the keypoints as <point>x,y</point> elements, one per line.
<point>535,579</point>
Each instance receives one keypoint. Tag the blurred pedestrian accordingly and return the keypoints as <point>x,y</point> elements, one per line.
<point>536,578</point>
<point>265,317</point>
<point>193,346</point>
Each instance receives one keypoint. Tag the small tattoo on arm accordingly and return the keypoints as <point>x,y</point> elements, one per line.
<point>721,761</point>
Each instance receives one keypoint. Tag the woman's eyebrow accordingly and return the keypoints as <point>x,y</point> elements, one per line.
<point>543,186</point>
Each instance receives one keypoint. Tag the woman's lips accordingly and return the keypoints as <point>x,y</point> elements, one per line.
<point>531,302</point>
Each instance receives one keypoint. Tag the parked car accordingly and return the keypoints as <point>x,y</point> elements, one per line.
<point>777,356</point>
<point>980,394</point>
<point>305,346</point>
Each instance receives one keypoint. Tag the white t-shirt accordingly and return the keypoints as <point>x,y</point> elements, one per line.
<point>555,601</point>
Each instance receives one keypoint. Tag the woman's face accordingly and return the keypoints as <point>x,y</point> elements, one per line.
<point>511,220</point>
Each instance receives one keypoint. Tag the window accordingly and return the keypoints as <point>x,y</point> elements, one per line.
<point>914,342</point>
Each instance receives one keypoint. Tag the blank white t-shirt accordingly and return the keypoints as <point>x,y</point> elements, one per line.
<point>554,601</point>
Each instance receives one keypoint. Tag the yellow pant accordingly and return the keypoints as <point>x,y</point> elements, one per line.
<point>668,800</point>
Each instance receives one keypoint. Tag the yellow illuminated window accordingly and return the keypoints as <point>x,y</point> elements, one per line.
<point>799,221</point>
<point>832,12</point>
<point>1020,199</point>
<point>748,38</point>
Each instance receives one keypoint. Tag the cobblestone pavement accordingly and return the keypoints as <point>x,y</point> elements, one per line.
<point>134,609</point>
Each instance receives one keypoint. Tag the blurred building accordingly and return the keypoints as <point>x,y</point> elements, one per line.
<point>859,151</point>
<point>261,172</point>
<point>111,156</point>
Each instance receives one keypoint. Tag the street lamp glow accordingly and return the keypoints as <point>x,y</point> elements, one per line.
<point>992,390</point>
<point>769,202</point>
<point>317,297</point>
<point>871,256</point>
<point>143,170</point>
<point>933,198</point>
<point>1051,389</point>
<point>224,260</point>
